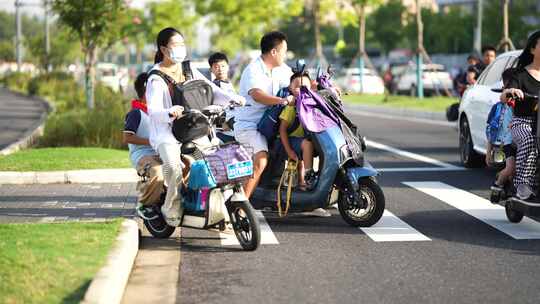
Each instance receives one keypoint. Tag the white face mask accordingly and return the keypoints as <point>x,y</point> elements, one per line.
<point>178,54</point>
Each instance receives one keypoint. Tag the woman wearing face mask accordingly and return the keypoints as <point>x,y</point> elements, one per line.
<point>171,51</point>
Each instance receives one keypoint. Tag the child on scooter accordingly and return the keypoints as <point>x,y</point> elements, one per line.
<point>294,142</point>
<point>505,138</point>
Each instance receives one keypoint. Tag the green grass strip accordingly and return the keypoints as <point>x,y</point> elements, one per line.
<point>68,158</point>
<point>433,104</point>
<point>52,263</point>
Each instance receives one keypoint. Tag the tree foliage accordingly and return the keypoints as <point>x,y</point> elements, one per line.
<point>241,23</point>
<point>95,23</point>
<point>170,13</point>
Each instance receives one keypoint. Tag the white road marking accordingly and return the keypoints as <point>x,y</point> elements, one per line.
<point>83,204</point>
<point>420,169</point>
<point>106,205</point>
<point>395,117</point>
<point>411,155</point>
<point>480,208</point>
<point>89,214</point>
<point>68,206</point>
<point>267,236</point>
<point>49,204</point>
<point>47,219</point>
<point>390,228</point>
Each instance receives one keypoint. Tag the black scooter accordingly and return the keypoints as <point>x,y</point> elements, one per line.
<point>515,207</point>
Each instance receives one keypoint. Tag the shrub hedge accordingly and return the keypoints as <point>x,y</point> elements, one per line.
<point>72,123</point>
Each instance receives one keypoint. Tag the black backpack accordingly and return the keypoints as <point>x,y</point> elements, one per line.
<point>193,94</point>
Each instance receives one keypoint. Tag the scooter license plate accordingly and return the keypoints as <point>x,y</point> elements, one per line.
<point>240,169</point>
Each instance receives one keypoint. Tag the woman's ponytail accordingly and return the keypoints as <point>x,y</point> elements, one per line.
<point>158,57</point>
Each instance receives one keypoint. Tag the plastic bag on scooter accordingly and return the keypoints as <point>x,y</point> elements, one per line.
<point>196,200</point>
<point>201,176</point>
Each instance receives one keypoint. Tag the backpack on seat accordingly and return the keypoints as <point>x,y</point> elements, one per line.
<point>193,94</point>
<point>494,122</point>
<point>268,126</point>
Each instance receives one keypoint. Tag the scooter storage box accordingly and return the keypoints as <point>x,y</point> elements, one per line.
<point>230,163</point>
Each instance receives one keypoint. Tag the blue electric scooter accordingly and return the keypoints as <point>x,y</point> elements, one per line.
<point>361,201</point>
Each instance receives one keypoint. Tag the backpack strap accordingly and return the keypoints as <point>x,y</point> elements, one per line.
<point>168,79</point>
<point>294,125</point>
<point>186,70</point>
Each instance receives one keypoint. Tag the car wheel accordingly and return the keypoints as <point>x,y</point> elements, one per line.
<point>469,157</point>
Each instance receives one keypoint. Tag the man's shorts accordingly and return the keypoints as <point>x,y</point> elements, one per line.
<point>509,151</point>
<point>253,139</point>
<point>296,145</point>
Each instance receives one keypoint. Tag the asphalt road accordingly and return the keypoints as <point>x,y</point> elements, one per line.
<point>440,241</point>
<point>18,115</point>
<point>323,260</point>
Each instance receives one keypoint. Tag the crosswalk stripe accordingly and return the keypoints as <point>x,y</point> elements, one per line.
<point>480,208</point>
<point>267,235</point>
<point>391,228</point>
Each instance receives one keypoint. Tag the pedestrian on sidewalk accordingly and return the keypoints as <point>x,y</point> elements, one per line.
<point>143,157</point>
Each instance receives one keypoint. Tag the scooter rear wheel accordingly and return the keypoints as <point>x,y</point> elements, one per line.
<point>245,224</point>
<point>513,216</point>
<point>353,213</point>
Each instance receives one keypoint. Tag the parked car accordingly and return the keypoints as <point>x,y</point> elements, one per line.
<point>203,67</point>
<point>475,105</point>
<point>350,81</point>
<point>107,73</point>
<point>436,80</point>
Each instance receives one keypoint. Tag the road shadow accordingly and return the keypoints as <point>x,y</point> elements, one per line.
<point>457,227</point>
<point>77,295</point>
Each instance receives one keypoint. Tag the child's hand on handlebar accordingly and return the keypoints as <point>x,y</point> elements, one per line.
<point>176,111</point>
<point>514,93</point>
<point>292,156</point>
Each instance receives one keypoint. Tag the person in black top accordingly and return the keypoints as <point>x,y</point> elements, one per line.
<point>526,79</point>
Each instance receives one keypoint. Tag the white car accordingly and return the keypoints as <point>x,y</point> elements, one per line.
<point>107,73</point>
<point>435,79</point>
<point>350,81</point>
<point>475,105</point>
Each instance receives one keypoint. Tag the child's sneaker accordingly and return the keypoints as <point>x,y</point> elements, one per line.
<point>496,187</point>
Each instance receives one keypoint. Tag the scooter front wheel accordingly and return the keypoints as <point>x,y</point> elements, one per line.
<point>245,224</point>
<point>513,216</point>
<point>366,212</point>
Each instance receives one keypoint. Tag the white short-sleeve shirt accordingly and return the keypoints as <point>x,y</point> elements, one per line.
<point>257,76</point>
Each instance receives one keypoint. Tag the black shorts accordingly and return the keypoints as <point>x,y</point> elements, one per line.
<point>509,151</point>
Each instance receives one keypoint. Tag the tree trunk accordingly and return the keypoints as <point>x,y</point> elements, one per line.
<point>361,11</point>
<point>90,75</point>
<point>318,42</point>
<point>420,51</point>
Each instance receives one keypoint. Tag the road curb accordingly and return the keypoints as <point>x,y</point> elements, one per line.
<point>93,176</point>
<point>32,134</point>
<point>109,284</point>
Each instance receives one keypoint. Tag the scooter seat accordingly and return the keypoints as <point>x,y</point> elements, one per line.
<point>188,148</point>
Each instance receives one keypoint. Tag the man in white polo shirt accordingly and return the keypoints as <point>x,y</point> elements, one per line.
<point>259,84</point>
